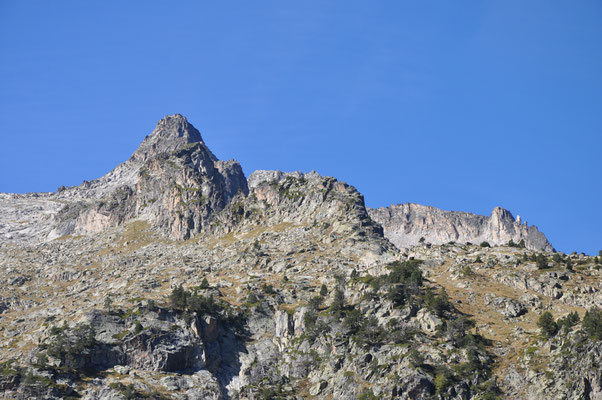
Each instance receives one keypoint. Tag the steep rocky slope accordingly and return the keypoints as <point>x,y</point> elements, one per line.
<point>279,288</point>
<point>172,180</point>
<point>406,224</point>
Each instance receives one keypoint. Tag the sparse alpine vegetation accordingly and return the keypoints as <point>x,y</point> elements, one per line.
<point>175,277</point>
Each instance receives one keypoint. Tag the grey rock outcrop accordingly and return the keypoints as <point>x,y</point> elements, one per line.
<point>312,201</point>
<point>405,224</point>
<point>172,180</point>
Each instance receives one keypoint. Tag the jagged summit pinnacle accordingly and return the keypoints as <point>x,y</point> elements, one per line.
<point>171,133</point>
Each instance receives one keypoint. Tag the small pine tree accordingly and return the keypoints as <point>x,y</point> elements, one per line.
<point>315,302</point>
<point>441,383</point>
<point>416,358</point>
<point>178,297</point>
<point>367,394</point>
<point>41,361</point>
<point>338,301</point>
<point>567,322</point>
<point>338,298</point>
<point>592,323</point>
<point>323,290</point>
<point>485,244</point>
<point>268,288</point>
<point>541,262</point>
<point>440,303</point>
<point>108,304</point>
<point>204,284</point>
<point>522,244</point>
<point>252,298</point>
<point>397,294</point>
<point>547,325</point>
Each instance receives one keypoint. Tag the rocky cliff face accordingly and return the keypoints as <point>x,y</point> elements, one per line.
<point>406,224</point>
<point>172,180</point>
<point>285,289</point>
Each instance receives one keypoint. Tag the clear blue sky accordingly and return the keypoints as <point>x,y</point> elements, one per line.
<point>460,105</point>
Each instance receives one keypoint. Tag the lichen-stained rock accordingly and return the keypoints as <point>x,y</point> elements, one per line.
<point>427,321</point>
<point>505,306</point>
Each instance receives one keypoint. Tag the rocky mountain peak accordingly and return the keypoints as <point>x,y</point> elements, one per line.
<point>172,181</point>
<point>172,132</point>
<point>502,214</point>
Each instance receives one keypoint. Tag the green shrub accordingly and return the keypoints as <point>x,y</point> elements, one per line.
<point>485,244</point>
<point>203,305</point>
<point>367,394</point>
<point>309,319</point>
<point>440,303</point>
<point>68,345</point>
<point>456,331</point>
<point>338,301</point>
<point>314,327</point>
<point>547,325</point>
<point>442,383</point>
<point>127,391</point>
<point>268,288</point>
<point>369,333</point>
<point>204,284</point>
<point>353,321</point>
<point>315,303</point>
<point>416,358</point>
<point>407,273</point>
<point>567,322</point>
<point>108,303</point>
<point>541,262</point>
<point>178,297</point>
<point>183,300</point>
<point>592,323</point>
<point>397,294</point>
<point>7,368</point>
